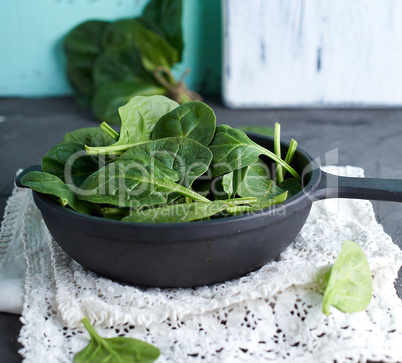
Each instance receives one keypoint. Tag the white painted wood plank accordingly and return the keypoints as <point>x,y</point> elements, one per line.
<point>293,53</point>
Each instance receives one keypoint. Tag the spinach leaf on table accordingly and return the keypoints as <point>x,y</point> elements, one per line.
<point>109,98</point>
<point>50,184</point>
<point>121,64</point>
<point>349,286</point>
<point>115,350</point>
<point>82,45</point>
<point>155,50</point>
<point>177,213</point>
<point>164,18</point>
<point>232,149</point>
<point>121,33</point>
<point>194,120</point>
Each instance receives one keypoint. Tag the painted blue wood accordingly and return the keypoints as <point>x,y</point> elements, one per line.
<point>31,32</point>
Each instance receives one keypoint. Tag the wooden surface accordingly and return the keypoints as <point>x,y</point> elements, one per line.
<point>312,52</point>
<point>370,139</point>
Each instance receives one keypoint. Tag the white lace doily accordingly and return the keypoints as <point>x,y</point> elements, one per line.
<point>273,314</point>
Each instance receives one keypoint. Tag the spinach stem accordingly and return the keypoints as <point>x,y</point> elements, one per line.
<point>291,153</point>
<point>237,201</point>
<point>239,209</point>
<point>277,149</point>
<point>272,156</point>
<point>109,150</point>
<point>108,129</point>
<point>91,330</point>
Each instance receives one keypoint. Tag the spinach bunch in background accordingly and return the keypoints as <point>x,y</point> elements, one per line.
<point>108,63</point>
<point>169,163</point>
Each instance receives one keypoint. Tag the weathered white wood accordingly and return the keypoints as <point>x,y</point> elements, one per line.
<point>312,53</point>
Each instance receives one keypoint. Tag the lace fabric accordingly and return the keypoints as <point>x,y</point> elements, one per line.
<point>273,314</point>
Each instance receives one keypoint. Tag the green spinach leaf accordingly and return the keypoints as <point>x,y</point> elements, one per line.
<point>187,157</point>
<point>50,184</point>
<point>155,50</point>
<point>82,45</point>
<point>69,162</point>
<point>121,64</point>
<point>138,118</point>
<point>111,96</point>
<point>291,185</point>
<point>136,182</point>
<point>121,33</point>
<point>349,286</point>
<point>85,38</point>
<point>232,181</point>
<point>232,150</point>
<point>177,213</point>
<point>164,18</point>
<point>91,136</point>
<point>194,120</point>
<point>115,350</point>
<point>254,182</point>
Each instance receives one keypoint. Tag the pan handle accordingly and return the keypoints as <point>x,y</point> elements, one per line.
<point>332,186</point>
<point>26,171</point>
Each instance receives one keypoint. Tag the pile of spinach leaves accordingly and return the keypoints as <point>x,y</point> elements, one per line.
<point>169,163</point>
<point>110,62</point>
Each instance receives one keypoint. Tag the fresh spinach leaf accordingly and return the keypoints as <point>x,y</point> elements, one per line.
<point>91,136</point>
<point>121,33</point>
<point>111,96</point>
<point>232,150</point>
<point>194,120</point>
<point>138,118</point>
<point>115,213</point>
<point>187,157</point>
<point>121,64</point>
<point>262,130</point>
<point>349,286</point>
<point>115,350</point>
<point>50,184</point>
<point>292,186</point>
<point>82,45</point>
<point>155,50</point>
<point>164,18</point>
<point>231,182</point>
<point>177,213</point>
<point>69,162</point>
<point>79,73</point>
<point>85,38</point>
<point>136,182</point>
<point>255,183</point>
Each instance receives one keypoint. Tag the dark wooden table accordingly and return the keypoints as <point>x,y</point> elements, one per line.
<point>369,138</point>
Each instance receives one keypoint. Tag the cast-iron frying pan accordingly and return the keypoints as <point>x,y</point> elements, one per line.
<point>206,252</point>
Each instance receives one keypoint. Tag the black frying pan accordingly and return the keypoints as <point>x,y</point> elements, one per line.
<point>206,252</point>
